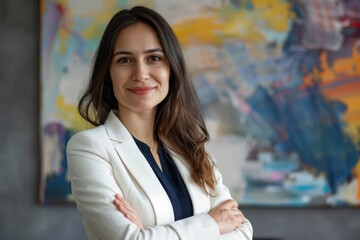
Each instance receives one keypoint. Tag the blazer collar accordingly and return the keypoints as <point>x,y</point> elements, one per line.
<point>115,129</point>
<point>139,168</point>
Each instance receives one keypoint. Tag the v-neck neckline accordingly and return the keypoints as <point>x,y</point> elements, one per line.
<point>147,149</point>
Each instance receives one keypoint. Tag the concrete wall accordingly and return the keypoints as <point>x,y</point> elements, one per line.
<point>21,217</point>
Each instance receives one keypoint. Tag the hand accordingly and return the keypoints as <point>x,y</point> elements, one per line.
<point>123,206</point>
<point>227,216</point>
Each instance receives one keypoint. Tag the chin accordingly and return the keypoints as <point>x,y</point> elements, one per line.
<point>145,108</point>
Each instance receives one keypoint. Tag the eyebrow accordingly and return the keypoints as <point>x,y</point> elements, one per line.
<point>145,52</point>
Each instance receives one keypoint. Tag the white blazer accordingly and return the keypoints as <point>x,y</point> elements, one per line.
<point>105,160</point>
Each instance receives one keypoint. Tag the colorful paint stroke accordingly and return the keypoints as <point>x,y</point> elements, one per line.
<point>278,81</point>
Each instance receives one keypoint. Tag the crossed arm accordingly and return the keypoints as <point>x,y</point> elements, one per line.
<point>227,216</point>
<point>94,187</point>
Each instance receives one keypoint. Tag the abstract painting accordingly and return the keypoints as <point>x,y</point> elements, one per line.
<point>278,82</point>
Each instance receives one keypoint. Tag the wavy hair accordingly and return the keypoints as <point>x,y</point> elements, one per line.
<point>179,123</point>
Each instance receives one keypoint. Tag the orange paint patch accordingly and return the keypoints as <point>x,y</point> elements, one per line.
<point>343,89</point>
<point>349,94</point>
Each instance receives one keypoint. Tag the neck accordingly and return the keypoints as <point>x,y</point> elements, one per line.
<point>140,125</point>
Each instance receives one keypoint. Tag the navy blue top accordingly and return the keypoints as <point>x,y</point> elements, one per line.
<point>170,179</point>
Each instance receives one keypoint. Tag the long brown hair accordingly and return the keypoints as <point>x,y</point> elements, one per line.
<point>179,123</point>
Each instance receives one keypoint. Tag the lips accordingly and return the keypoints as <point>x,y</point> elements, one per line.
<point>141,90</point>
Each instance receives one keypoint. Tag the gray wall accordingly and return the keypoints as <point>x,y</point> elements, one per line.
<point>21,217</point>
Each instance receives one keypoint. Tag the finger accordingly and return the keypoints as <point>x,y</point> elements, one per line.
<point>120,206</point>
<point>135,219</point>
<point>242,219</point>
<point>132,216</point>
<point>121,199</point>
<point>123,207</point>
<point>239,215</point>
<point>127,210</point>
<point>123,202</point>
<point>128,213</point>
<point>117,203</point>
<point>230,203</point>
<point>117,196</point>
<point>132,219</point>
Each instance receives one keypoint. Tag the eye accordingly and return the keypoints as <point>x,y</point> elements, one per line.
<point>155,59</point>
<point>124,60</point>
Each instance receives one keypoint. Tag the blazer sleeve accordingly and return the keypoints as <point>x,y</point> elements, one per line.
<point>221,194</point>
<point>94,188</point>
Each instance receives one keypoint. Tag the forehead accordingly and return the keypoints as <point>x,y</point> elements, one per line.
<point>138,36</point>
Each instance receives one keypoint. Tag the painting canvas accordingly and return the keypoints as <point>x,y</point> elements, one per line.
<point>278,82</point>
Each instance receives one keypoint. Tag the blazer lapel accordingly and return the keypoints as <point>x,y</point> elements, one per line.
<point>139,168</point>
<point>199,198</point>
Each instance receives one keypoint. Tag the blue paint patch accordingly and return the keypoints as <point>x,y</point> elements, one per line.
<point>309,124</point>
<point>249,5</point>
<point>266,115</point>
<point>57,187</point>
<point>316,132</point>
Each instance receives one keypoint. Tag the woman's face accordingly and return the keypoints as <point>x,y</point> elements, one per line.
<point>139,69</point>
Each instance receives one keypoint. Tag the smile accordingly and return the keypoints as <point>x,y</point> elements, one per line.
<point>141,90</point>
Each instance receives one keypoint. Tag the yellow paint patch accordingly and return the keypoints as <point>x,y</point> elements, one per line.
<point>212,27</point>
<point>69,113</point>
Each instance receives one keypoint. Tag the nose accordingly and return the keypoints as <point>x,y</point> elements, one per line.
<point>141,72</point>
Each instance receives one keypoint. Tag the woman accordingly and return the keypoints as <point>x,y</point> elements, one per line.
<point>143,172</point>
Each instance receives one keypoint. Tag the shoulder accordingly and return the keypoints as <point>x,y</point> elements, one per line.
<point>88,137</point>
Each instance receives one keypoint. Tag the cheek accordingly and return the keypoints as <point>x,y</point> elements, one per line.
<point>117,79</point>
<point>117,88</point>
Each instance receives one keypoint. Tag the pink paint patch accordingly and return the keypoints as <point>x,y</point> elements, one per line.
<point>276,176</point>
